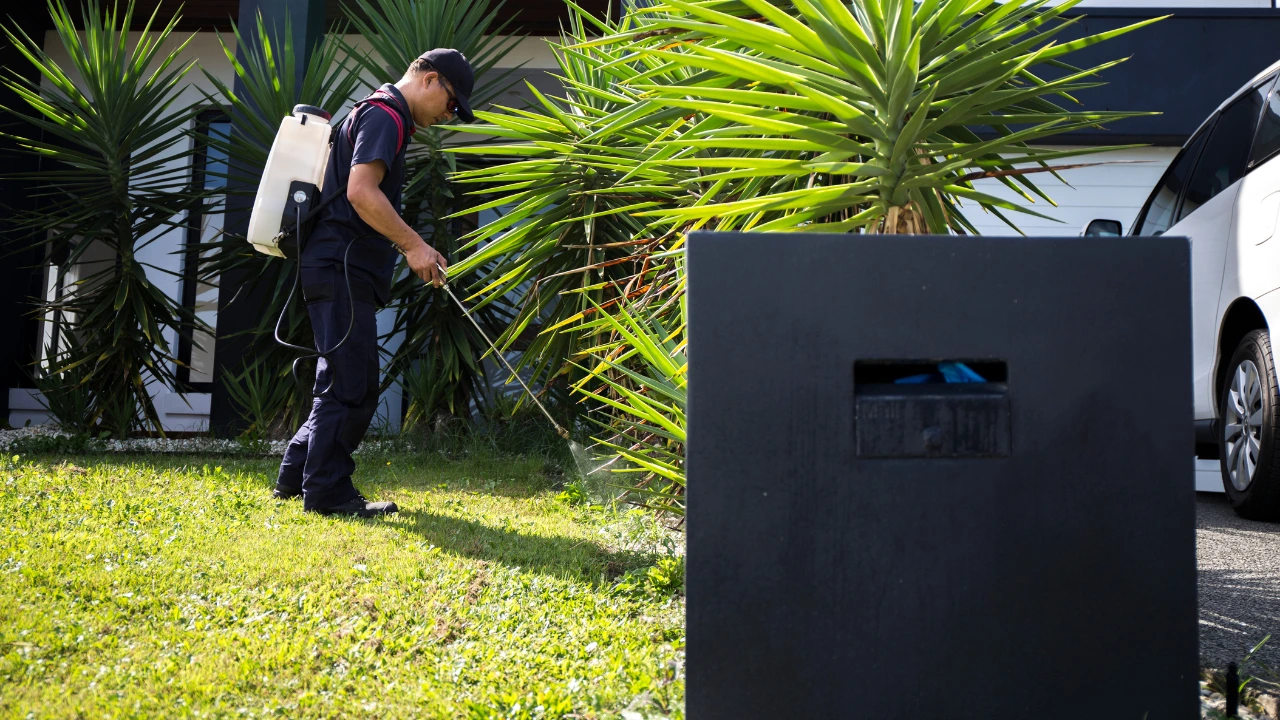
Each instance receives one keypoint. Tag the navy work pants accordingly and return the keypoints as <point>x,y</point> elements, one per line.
<point>318,459</point>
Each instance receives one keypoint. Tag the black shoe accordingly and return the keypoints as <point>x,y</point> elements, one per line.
<point>285,492</point>
<point>360,507</point>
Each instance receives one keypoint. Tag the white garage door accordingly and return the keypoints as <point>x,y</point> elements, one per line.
<point>1114,191</point>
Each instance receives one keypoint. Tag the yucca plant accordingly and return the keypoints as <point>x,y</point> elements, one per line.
<point>424,386</point>
<point>271,88</point>
<point>258,395</point>
<point>268,74</point>
<point>434,330</point>
<point>885,112</point>
<point>115,180</point>
<point>638,374</point>
<point>62,391</point>
<point>804,115</point>
<point>568,242</point>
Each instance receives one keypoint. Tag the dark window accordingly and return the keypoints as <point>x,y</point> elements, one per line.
<point>1227,151</point>
<point>1267,143</point>
<point>1157,216</point>
<point>209,171</point>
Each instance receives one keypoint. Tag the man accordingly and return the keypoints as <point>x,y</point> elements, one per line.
<point>360,228</point>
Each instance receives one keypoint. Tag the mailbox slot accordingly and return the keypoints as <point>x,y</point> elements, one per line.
<point>931,419</point>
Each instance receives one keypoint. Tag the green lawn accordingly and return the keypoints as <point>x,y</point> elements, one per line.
<point>177,587</point>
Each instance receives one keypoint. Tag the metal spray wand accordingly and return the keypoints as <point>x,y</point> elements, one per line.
<point>559,430</point>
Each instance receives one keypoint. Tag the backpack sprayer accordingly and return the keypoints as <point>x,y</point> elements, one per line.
<point>289,196</point>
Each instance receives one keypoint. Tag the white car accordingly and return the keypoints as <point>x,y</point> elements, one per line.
<point>1223,192</point>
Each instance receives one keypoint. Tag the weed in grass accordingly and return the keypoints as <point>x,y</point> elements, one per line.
<point>666,577</point>
<point>661,580</point>
<point>528,706</point>
<point>574,493</point>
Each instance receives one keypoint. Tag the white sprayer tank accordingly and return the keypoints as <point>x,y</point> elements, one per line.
<point>299,152</point>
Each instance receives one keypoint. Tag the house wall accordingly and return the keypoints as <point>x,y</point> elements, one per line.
<point>1174,68</point>
<point>20,276</point>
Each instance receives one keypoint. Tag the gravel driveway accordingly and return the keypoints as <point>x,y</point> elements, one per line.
<point>1239,563</point>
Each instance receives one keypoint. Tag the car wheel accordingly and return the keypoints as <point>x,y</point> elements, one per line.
<point>1248,437</point>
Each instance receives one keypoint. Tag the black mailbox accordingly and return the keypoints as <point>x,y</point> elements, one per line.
<point>870,537</point>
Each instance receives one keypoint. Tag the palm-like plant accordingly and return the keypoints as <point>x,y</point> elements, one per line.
<point>116,183</point>
<point>884,111</point>
<point>435,332</point>
<point>638,374</point>
<point>808,115</point>
<point>271,87</point>
<point>568,243</point>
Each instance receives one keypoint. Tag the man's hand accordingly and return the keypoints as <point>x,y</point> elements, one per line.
<point>374,208</point>
<point>427,264</point>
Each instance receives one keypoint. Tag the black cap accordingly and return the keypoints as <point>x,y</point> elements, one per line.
<point>454,67</point>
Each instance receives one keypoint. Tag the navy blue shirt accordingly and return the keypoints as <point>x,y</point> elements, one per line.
<point>375,135</point>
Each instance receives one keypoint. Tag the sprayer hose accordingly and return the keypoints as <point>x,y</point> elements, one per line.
<point>294,288</point>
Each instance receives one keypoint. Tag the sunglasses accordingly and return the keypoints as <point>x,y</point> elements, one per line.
<point>452,107</point>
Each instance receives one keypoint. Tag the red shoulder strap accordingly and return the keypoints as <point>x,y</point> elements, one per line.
<point>380,99</point>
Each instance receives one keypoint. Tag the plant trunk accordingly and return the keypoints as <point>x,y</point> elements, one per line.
<point>900,220</point>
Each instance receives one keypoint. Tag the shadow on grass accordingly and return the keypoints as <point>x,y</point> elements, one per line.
<point>568,558</point>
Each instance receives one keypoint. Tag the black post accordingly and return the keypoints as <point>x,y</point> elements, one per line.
<point>20,272</point>
<point>240,310</point>
<point>1233,691</point>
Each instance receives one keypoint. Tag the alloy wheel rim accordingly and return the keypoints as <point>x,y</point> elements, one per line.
<point>1243,429</point>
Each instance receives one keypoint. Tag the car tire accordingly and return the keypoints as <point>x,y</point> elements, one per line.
<point>1248,435</point>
